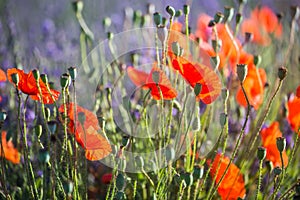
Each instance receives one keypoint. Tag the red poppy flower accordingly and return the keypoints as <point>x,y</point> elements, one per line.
<point>2,76</point>
<point>140,78</point>
<point>261,23</point>
<point>269,136</point>
<point>10,152</point>
<point>232,186</point>
<point>254,87</point>
<point>203,31</point>
<point>298,92</point>
<point>27,84</point>
<point>106,178</point>
<point>293,117</point>
<point>198,73</point>
<point>87,132</point>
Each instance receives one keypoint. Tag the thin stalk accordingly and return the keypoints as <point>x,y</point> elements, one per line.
<point>259,179</point>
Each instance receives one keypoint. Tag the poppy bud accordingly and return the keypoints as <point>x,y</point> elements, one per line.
<point>44,156</point>
<point>248,37</point>
<point>157,19</point>
<point>15,78</point>
<point>36,74</point>
<point>52,126</point>
<point>186,9</point>
<point>211,23</point>
<point>257,60</point>
<point>171,11</point>
<point>164,21</point>
<point>238,18</point>
<point>281,144</point>
<point>178,13</point>
<point>139,161</point>
<point>215,61</point>
<point>242,71</point>
<point>69,187</point>
<point>187,178</point>
<point>120,195</point>
<point>223,119</point>
<point>145,20</point>
<point>38,130</point>
<point>65,81</point>
<point>196,124</point>
<point>3,116</point>
<point>277,171</point>
<point>106,22</point>
<point>225,94</point>
<point>242,1</point>
<point>228,14</point>
<point>261,153</point>
<point>162,33</point>
<point>170,153</point>
<point>120,182</point>
<point>78,6</point>
<point>44,78</point>
<point>47,114</point>
<point>176,48</point>
<point>110,35</point>
<point>137,15</point>
<point>197,89</point>
<point>218,17</point>
<point>156,77</point>
<point>198,172</point>
<point>282,72</point>
<point>51,85</point>
<point>125,141</point>
<point>73,72</point>
<point>295,12</point>
<point>269,165</point>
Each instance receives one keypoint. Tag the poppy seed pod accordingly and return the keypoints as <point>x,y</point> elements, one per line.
<point>69,187</point>
<point>269,165</point>
<point>171,11</point>
<point>36,74</point>
<point>110,35</point>
<point>197,89</point>
<point>282,72</point>
<point>176,48</point>
<point>257,60</point>
<point>106,22</point>
<point>15,78</point>
<point>238,18</point>
<point>186,9</point>
<point>277,171</point>
<point>261,153</point>
<point>242,71</point>
<point>125,141</point>
<point>44,78</point>
<point>211,23</point>
<point>73,72</point>
<point>218,17</point>
<point>44,156</point>
<point>188,178</point>
<point>78,6</point>
<point>3,116</point>
<point>295,12</point>
<point>228,14</point>
<point>157,18</point>
<point>198,172</point>
<point>178,13</point>
<point>281,144</point>
<point>65,81</point>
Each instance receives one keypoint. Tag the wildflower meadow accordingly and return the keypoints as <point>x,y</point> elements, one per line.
<point>150,100</point>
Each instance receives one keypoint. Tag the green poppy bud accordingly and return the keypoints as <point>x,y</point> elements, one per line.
<point>281,144</point>
<point>282,72</point>
<point>242,71</point>
<point>171,11</point>
<point>261,153</point>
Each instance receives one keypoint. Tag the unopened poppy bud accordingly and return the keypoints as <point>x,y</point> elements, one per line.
<point>211,23</point>
<point>261,153</point>
<point>120,182</point>
<point>125,141</point>
<point>162,33</point>
<point>78,6</point>
<point>171,11</point>
<point>3,116</point>
<point>47,113</point>
<point>257,60</point>
<point>155,77</point>
<point>282,72</point>
<point>281,144</point>
<point>295,12</point>
<point>176,48</point>
<point>198,172</point>
<point>120,195</point>
<point>277,170</point>
<point>38,130</point>
<point>225,94</point>
<point>238,18</point>
<point>139,161</point>
<point>218,17</point>
<point>269,165</point>
<point>178,13</point>
<point>170,153</point>
<point>215,61</point>
<point>44,156</point>
<point>248,37</point>
<point>197,89</point>
<point>228,14</point>
<point>186,9</point>
<point>73,72</point>
<point>106,22</point>
<point>36,74</point>
<point>164,21</point>
<point>52,126</point>
<point>15,78</point>
<point>69,187</point>
<point>110,35</point>
<point>223,119</point>
<point>188,178</point>
<point>196,124</point>
<point>157,19</point>
<point>65,80</point>
<point>44,78</point>
<point>242,71</point>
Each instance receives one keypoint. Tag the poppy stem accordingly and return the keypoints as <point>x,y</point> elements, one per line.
<point>259,179</point>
